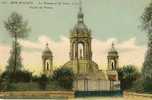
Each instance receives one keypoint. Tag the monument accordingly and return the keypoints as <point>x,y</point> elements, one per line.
<point>47,61</point>
<point>80,48</point>
<point>88,75</point>
<point>112,63</point>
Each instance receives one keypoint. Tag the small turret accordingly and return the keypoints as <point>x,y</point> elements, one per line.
<point>47,59</point>
<point>112,63</point>
<point>112,58</point>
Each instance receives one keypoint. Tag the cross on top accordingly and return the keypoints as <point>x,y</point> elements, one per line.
<point>113,45</point>
<point>80,5</point>
<point>47,44</point>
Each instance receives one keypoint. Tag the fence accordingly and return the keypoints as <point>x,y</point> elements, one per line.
<point>96,85</point>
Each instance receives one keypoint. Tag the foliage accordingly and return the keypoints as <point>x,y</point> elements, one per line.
<point>147,19</point>
<point>147,71</point>
<point>147,66</point>
<point>137,86</point>
<point>11,67</point>
<point>64,76</point>
<point>19,76</point>
<point>147,85</point>
<point>17,28</point>
<point>24,81</point>
<point>43,81</point>
<point>35,78</point>
<point>54,85</point>
<point>22,86</point>
<point>30,86</point>
<point>4,84</point>
<point>127,75</point>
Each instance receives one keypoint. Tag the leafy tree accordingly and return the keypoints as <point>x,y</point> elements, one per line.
<point>147,66</point>
<point>64,76</point>
<point>4,83</point>
<point>17,28</point>
<point>127,75</point>
<point>43,81</point>
<point>11,67</point>
<point>35,78</point>
<point>19,76</point>
<point>147,19</point>
<point>147,85</point>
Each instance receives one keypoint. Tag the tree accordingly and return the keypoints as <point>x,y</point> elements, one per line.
<point>43,81</point>
<point>4,83</point>
<point>17,28</point>
<point>147,66</point>
<point>19,76</point>
<point>127,75</point>
<point>18,66</point>
<point>64,76</point>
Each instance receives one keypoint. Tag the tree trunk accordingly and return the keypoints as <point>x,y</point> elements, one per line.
<point>15,54</point>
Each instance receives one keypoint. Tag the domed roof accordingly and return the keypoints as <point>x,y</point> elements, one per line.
<point>112,50</point>
<point>80,28</point>
<point>47,52</point>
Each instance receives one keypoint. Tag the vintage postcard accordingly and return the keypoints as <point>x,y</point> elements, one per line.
<point>76,49</point>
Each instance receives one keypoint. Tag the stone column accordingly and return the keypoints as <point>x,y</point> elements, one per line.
<point>44,65</point>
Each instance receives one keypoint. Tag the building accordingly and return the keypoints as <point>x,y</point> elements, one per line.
<point>112,63</point>
<point>80,48</point>
<point>88,75</point>
<point>47,61</point>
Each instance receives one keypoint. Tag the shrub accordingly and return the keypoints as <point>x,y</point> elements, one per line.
<point>64,76</point>
<point>35,78</point>
<point>127,75</point>
<point>19,76</point>
<point>43,81</point>
<point>147,85</point>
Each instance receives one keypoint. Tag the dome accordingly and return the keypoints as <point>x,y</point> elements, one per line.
<point>47,52</point>
<point>83,64</point>
<point>112,50</point>
<point>80,28</point>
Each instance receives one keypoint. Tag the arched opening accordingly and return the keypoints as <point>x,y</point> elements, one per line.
<point>80,51</point>
<point>74,50</point>
<point>113,64</point>
<point>47,64</point>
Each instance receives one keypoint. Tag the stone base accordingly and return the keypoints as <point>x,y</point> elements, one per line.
<point>85,66</point>
<point>97,93</point>
<point>96,85</point>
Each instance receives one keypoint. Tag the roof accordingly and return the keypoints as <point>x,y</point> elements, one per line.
<point>47,52</point>
<point>80,29</point>
<point>112,50</point>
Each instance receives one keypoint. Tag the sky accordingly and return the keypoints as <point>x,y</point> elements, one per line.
<point>110,21</point>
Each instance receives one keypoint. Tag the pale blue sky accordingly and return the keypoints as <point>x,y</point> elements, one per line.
<point>106,19</point>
